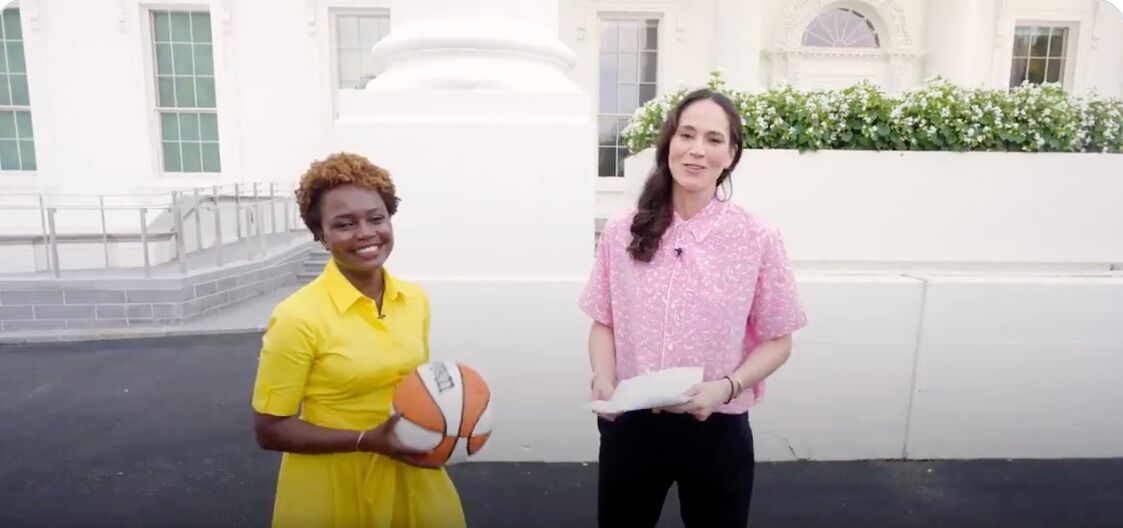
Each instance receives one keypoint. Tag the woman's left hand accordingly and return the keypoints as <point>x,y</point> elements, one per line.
<point>705,398</point>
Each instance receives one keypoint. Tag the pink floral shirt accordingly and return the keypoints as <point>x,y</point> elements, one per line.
<point>719,285</point>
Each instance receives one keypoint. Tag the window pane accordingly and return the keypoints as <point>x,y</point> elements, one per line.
<point>1040,47</point>
<point>23,125</point>
<point>608,68</point>
<point>161,23</point>
<point>172,158</point>
<point>648,64</point>
<point>606,131</point>
<point>1036,71</point>
<point>9,155</point>
<point>210,157</point>
<point>350,66</point>
<point>650,37</point>
<point>841,28</point>
<point>204,92</point>
<point>192,157</point>
<point>204,59</point>
<point>208,127</point>
<point>1022,40</point>
<point>27,154</point>
<point>183,59</point>
<point>189,127</point>
<point>1057,42</point>
<point>181,27</point>
<point>169,126</point>
<point>348,31</point>
<point>7,125</point>
<point>629,68</point>
<point>367,69</point>
<point>19,90</point>
<point>5,95</point>
<point>609,35</point>
<point>629,36</point>
<point>201,27</point>
<point>1053,72</point>
<point>369,32</point>
<point>606,161</point>
<point>185,92</point>
<point>164,59</point>
<point>3,61</point>
<point>15,57</point>
<point>12,30</point>
<point>628,99</point>
<point>166,92</point>
<point>607,103</point>
<point>1018,72</point>
<point>646,93</point>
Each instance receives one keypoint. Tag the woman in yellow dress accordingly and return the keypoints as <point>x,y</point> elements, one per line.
<point>334,352</point>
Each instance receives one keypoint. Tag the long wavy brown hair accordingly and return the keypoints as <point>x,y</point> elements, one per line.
<point>653,210</point>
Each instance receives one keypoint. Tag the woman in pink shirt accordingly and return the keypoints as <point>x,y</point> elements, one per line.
<point>687,280</point>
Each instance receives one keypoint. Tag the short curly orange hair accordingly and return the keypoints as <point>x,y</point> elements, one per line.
<point>341,169</point>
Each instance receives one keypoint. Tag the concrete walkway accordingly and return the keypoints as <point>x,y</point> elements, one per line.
<point>156,432</point>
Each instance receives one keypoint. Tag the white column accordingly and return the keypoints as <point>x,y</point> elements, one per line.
<point>493,151</point>
<point>952,40</point>
<point>738,40</point>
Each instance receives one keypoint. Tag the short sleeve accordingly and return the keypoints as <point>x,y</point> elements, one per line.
<point>776,310</point>
<point>287,353</point>
<point>596,299</point>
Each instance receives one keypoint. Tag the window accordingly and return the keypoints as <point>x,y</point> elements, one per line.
<point>841,28</point>
<point>355,35</point>
<point>185,91</point>
<point>17,140</point>
<point>1039,55</point>
<point>629,60</point>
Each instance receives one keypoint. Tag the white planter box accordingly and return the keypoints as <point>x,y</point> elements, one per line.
<point>931,207</point>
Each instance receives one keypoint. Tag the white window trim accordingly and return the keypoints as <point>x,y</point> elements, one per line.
<point>624,12</point>
<point>334,12</point>
<point>1072,45</point>
<point>152,112</point>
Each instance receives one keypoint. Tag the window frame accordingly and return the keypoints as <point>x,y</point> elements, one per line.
<point>1069,57</point>
<point>870,22</point>
<point>154,110</point>
<point>617,183</point>
<point>16,109</point>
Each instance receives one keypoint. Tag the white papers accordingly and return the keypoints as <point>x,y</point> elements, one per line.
<point>661,388</point>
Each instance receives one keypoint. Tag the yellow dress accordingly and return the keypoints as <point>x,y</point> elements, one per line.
<point>327,354</point>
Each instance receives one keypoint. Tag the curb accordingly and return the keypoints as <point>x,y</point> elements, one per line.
<point>29,338</point>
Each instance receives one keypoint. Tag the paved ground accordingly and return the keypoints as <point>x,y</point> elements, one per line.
<point>156,433</point>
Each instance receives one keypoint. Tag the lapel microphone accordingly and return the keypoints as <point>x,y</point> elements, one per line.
<point>678,252</point>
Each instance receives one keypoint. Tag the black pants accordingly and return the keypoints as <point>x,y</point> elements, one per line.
<point>642,453</point>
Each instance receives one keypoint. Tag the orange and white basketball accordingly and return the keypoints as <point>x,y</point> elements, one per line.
<point>445,407</point>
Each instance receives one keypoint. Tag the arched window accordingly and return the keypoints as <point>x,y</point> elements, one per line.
<point>841,28</point>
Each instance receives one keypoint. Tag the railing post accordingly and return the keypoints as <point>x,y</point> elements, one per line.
<point>288,215</point>
<point>53,241</point>
<point>144,240</point>
<point>272,207</point>
<point>217,227</point>
<point>257,217</point>
<point>104,229</point>
<point>43,224</point>
<point>180,243</point>
<point>198,221</point>
<point>238,209</point>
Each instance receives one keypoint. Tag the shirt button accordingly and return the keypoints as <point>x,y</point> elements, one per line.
<point>670,347</point>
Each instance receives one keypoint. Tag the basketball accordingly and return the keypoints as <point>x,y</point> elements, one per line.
<point>445,408</point>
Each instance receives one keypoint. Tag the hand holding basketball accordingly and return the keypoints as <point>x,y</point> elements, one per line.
<point>384,441</point>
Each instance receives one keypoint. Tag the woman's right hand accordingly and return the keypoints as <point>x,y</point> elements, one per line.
<point>601,390</point>
<point>384,441</point>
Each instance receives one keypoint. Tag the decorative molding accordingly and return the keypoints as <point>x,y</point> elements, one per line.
<point>801,14</point>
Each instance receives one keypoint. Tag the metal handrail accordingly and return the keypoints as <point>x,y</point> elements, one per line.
<point>199,201</point>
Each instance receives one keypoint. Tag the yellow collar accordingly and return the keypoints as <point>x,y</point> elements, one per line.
<point>344,294</point>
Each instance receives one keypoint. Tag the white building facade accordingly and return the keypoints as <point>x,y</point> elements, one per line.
<point>125,94</point>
